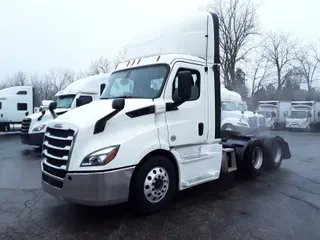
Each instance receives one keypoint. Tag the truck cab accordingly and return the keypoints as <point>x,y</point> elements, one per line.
<point>15,104</point>
<point>274,112</point>
<point>78,93</point>
<point>234,114</point>
<point>156,129</point>
<point>302,115</point>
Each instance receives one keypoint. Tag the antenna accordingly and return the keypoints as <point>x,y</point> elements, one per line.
<point>207,42</point>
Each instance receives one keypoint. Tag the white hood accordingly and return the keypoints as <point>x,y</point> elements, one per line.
<point>98,109</point>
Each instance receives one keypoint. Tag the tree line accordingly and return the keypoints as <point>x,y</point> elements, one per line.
<point>263,64</point>
<point>259,64</point>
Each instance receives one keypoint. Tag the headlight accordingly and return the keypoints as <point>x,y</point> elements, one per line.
<point>39,128</point>
<point>100,157</point>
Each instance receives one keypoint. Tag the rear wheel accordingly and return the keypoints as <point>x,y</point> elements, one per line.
<point>273,152</point>
<point>254,158</point>
<point>153,186</point>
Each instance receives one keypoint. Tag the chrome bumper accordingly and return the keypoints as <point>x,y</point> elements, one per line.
<point>93,188</point>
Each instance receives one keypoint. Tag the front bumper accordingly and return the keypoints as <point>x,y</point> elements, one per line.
<point>90,188</point>
<point>35,139</point>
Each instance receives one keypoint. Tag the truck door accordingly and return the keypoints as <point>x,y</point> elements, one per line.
<point>189,123</point>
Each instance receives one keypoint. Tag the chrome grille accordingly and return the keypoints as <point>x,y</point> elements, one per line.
<point>25,125</point>
<point>57,147</point>
<point>253,123</point>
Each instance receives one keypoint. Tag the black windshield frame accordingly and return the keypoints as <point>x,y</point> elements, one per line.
<point>165,78</point>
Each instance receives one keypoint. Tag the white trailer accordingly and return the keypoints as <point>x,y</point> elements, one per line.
<point>78,93</point>
<point>303,115</point>
<point>161,133</point>
<point>234,114</point>
<point>15,103</point>
<point>274,112</point>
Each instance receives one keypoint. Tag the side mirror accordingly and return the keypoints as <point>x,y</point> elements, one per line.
<point>53,106</point>
<point>242,112</point>
<point>318,114</point>
<point>309,114</point>
<point>273,114</point>
<point>118,104</point>
<point>78,102</point>
<point>26,114</point>
<point>285,114</point>
<point>184,85</point>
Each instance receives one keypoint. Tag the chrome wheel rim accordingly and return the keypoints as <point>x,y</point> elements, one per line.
<point>277,153</point>
<point>257,158</point>
<point>156,184</point>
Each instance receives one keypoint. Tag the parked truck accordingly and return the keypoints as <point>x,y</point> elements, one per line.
<point>78,93</point>
<point>234,117</point>
<point>15,104</point>
<point>274,112</point>
<point>303,115</point>
<point>156,129</point>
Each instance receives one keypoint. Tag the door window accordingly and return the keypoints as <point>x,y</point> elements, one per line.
<point>86,99</point>
<point>22,107</point>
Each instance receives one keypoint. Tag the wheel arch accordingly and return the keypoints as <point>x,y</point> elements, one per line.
<point>157,152</point>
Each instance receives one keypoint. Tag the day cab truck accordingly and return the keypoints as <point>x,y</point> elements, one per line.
<point>15,104</point>
<point>76,94</point>
<point>274,112</point>
<point>156,128</point>
<point>235,114</point>
<point>303,115</point>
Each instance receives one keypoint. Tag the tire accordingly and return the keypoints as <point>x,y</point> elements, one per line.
<point>228,127</point>
<point>273,152</point>
<point>254,158</point>
<point>158,172</point>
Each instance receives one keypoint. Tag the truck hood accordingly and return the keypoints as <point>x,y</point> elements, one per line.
<point>97,109</point>
<point>47,115</point>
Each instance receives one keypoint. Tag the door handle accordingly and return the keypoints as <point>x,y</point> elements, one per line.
<point>200,129</point>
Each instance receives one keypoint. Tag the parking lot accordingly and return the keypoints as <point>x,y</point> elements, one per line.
<point>279,205</point>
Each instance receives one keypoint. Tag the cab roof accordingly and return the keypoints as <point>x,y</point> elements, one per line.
<point>85,85</point>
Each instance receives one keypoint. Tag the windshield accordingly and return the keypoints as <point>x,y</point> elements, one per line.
<point>65,101</point>
<point>298,114</point>
<point>229,106</point>
<point>266,114</point>
<point>242,107</point>
<point>143,82</point>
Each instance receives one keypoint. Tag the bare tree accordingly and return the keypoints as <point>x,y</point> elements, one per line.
<point>279,51</point>
<point>121,56</point>
<point>308,62</point>
<point>260,73</point>
<point>238,23</point>
<point>18,79</point>
<point>101,65</point>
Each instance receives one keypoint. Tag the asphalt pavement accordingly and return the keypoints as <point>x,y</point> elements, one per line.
<point>279,205</point>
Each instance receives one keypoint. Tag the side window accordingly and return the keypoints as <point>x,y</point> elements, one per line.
<point>22,93</point>
<point>86,99</point>
<point>195,89</point>
<point>0,105</point>
<point>122,87</point>
<point>22,107</point>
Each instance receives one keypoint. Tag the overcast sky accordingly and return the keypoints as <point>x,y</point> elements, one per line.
<point>36,35</point>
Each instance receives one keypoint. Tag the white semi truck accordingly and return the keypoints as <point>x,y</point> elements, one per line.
<point>234,119</point>
<point>78,93</point>
<point>274,112</point>
<point>235,114</point>
<point>161,133</point>
<point>15,104</point>
<point>303,115</point>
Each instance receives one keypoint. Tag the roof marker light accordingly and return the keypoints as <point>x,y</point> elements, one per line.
<point>158,58</point>
<point>128,63</point>
<point>116,66</point>
<point>139,61</point>
<point>133,62</point>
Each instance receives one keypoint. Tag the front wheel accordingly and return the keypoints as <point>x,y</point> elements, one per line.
<point>228,127</point>
<point>153,186</point>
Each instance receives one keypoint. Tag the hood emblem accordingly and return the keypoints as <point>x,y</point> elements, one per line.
<point>57,125</point>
